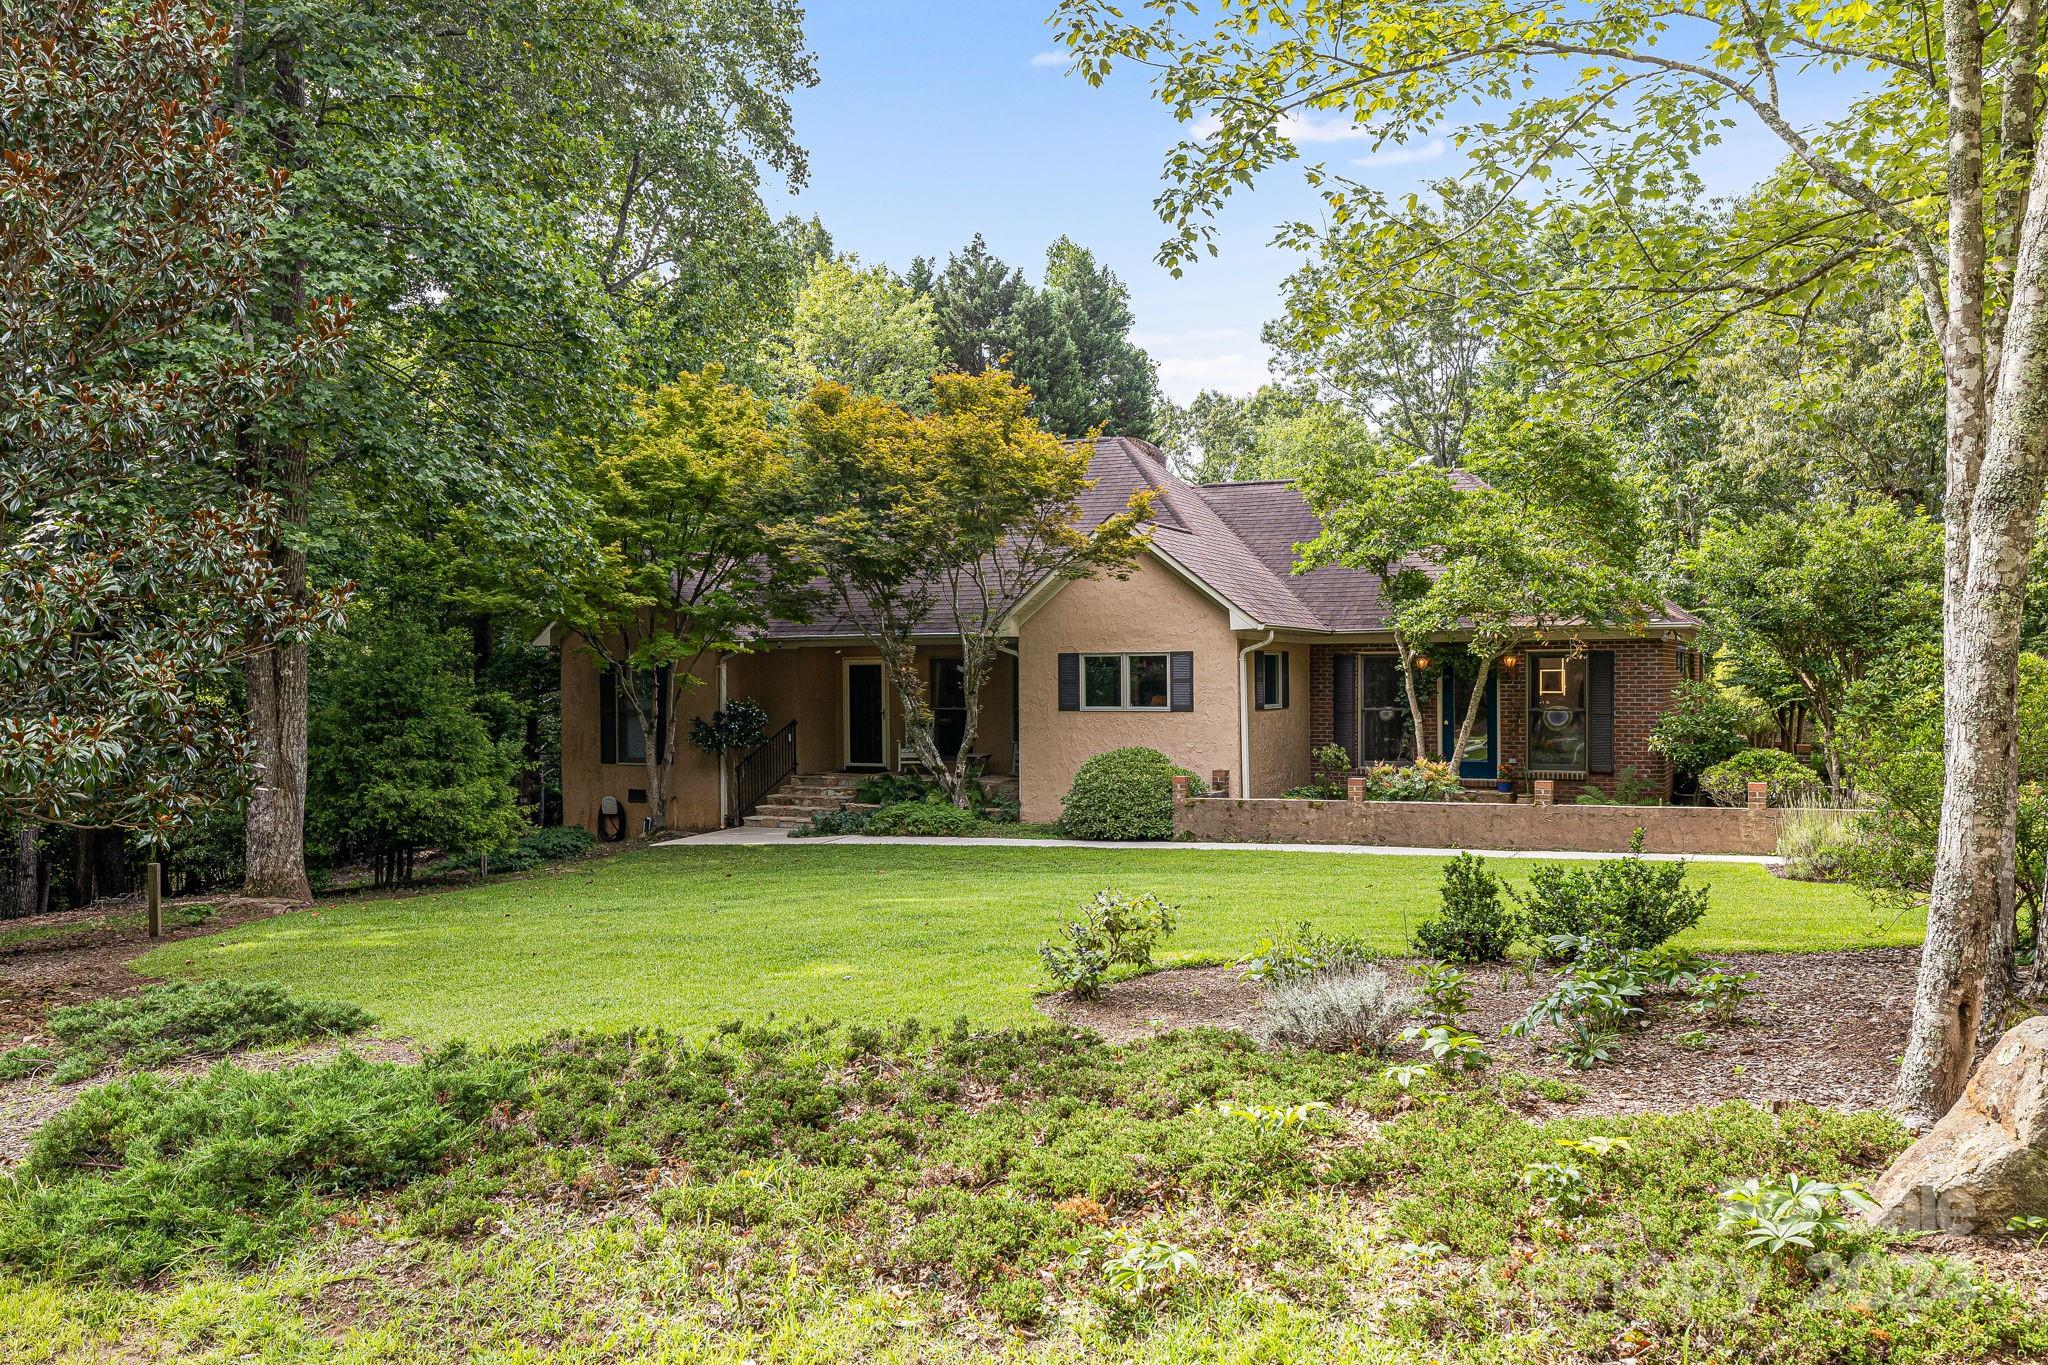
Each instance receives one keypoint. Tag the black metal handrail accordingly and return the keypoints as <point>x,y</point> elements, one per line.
<point>761,771</point>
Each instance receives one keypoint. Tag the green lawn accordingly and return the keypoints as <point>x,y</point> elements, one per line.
<point>686,938</point>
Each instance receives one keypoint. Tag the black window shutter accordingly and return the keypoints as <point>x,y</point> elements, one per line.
<point>1286,680</point>
<point>1070,682</point>
<point>1600,711</point>
<point>658,742</point>
<point>1344,703</point>
<point>1180,681</point>
<point>607,717</point>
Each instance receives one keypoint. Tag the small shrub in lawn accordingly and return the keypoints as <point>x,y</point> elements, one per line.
<point>139,1176</point>
<point>1354,1011</point>
<point>1474,922</point>
<point>1121,794</point>
<point>1302,952</point>
<point>925,818</point>
<point>1626,903</point>
<point>1115,930</point>
<point>830,822</point>
<point>167,1023</point>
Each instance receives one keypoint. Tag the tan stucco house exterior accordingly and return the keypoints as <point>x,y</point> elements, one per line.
<point>1211,651</point>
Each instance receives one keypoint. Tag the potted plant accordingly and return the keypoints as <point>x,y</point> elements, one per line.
<point>1509,771</point>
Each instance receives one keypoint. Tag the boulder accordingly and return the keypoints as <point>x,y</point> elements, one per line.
<point>1987,1160</point>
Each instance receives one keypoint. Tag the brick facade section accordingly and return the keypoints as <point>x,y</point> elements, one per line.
<point>1645,673</point>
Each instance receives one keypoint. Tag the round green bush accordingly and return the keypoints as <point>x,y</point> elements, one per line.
<point>1122,794</point>
<point>1727,782</point>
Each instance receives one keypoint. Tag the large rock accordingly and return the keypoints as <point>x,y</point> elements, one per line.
<point>1987,1159</point>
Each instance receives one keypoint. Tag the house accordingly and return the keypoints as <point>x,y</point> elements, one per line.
<point>1212,651</point>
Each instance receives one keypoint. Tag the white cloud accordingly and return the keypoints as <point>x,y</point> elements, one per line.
<point>1045,60</point>
<point>1234,372</point>
<point>1397,155</point>
<point>1299,128</point>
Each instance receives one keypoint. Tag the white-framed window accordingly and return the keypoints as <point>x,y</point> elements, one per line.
<point>1270,680</point>
<point>1123,682</point>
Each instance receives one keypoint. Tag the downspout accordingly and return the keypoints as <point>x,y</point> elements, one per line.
<point>1244,713</point>
<point>724,787</point>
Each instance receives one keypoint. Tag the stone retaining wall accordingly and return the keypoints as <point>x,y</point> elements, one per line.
<point>1703,830</point>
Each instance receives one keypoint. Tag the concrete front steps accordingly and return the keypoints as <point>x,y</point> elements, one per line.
<point>802,796</point>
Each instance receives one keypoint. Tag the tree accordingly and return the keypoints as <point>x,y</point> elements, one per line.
<point>1073,349</point>
<point>1595,117</point>
<point>1822,595</point>
<point>974,305</point>
<point>957,514</point>
<point>401,755</point>
<point>133,572</point>
<point>537,209</point>
<point>692,504</point>
<point>1276,433</point>
<point>861,327</point>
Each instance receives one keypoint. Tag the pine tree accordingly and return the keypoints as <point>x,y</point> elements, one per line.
<point>1074,349</point>
<point>975,300</point>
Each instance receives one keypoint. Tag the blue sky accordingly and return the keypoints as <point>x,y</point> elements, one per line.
<point>934,121</point>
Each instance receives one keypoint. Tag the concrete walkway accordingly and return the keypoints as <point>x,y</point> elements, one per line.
<point>782,836</point>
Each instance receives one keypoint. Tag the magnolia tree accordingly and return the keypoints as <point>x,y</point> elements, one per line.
<point>956,515</point>
<point>692,515</point>
<point>1592,118</point>
<point>135,575</point>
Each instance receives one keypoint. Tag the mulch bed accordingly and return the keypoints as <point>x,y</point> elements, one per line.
<point>1822,1028</point>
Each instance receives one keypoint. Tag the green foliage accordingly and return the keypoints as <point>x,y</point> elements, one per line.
<point>1120,794</point>
<point>1352,1009</point>
<point>1276,433</point>
<point>828,823</point>
<point>1302,952</point>
<point>1474,923</point>
<point>1795,1220</point>
<point>1790,777</point>
<point>1559,1184</point>
<point>886,789</point>
<point>137,1178</point>
<point>166,1024</point>
<point>1072,348</point>
<point>1426,779</point>
<point>1706,724</point>
<point>538,846</point>
<point>738,728</point>
<point>1115,930</point>
<point>1626,903</point>
<point>1448,1047</point>
<point>401,755</point>
<point>1443,989</point>
<point>129,385</point>
<point>860,327</point>
<point>929,818</point>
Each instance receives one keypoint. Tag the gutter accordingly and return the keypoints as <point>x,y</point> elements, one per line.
<point>1244,713</point>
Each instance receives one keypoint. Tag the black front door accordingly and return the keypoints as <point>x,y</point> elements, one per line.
<point>1382,710</point>
<point>864,743</point>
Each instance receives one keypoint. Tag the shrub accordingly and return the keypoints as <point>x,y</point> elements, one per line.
<point>739,728</point>
<point>165,1024</point>
<point>1331,766</point>
<point>1474,923</point>
<point>1626,903</point>
<point>1795,1220</point>
<point>1706,725</point>
<point>1303,952</point>
<point>1354,1011</point>
<point>538,846</point>
<point>932,818</point>
<point>1790,777</point>
<point>887,789</point>
<point>1115,930</point>
<point>1443,989</point>
<point>1821,843</point>
<point>830,822</point>
<point>1426,779</point>
<point>1121,794</point>
<point>135,1177</point>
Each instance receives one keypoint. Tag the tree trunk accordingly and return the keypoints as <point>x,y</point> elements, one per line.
<point>1972,894</point>
<point>274,839</point>
<point>1457,755</point>
<point>900,659</point>
<point>21,874</point>
<point>1423,748</point>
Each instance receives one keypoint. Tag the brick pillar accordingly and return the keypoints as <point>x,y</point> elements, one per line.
<point>1180,789</point>
<point>1354,788</point>
<point>1759,795</point>
<point>1546,791</point>
<point>1219,781</point>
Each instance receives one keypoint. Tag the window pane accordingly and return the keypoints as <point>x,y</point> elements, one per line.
<point>632,743</point>
<point>1148,680</point>
<point>949,685</point>
<point>1102,680</point>
<point>1557,714</point>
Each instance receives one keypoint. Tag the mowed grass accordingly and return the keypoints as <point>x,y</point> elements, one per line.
<point>687,938</point>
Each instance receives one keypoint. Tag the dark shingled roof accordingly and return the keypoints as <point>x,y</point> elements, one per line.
<point>1238,539</point>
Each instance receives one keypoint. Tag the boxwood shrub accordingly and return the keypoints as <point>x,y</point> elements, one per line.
<point>1791,777</point>
<point>1121,794</point>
